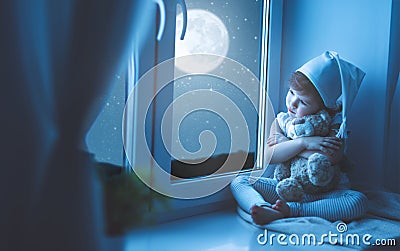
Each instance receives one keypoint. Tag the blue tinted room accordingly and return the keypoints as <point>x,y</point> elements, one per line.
<point>164,125</point>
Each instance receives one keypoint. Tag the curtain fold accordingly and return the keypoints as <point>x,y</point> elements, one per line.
<point>58,62</point>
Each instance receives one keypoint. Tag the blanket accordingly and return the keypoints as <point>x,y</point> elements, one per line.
<point>379,229</point>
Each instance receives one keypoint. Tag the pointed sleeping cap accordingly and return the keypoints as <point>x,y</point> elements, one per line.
<point>336,80</point>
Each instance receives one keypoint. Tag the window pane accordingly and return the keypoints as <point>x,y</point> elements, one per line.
<point>104,138</point>
<point>230,29</point>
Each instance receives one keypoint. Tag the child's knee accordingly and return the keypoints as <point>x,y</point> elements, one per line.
<point>359,204</point>
<point>362,202</point>
<point>359,198</point>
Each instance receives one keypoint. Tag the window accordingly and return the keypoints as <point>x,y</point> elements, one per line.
<point>144,102</point>
<point>195,103</point>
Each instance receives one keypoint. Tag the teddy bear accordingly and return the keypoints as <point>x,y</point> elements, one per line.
<point>299,176</point>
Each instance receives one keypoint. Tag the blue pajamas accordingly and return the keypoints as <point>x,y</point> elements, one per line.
<point>340,204</point>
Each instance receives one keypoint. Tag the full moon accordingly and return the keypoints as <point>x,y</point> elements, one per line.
<point>205,34</point>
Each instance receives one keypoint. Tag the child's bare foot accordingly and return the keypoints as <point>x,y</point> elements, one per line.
<point>264,215</point>
<point>282,207</point>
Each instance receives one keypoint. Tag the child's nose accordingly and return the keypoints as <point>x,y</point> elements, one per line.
<point>294,102</point>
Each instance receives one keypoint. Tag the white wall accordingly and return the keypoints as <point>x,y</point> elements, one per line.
<point>359,30</point>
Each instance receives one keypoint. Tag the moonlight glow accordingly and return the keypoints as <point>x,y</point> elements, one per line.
<point>205,34</point>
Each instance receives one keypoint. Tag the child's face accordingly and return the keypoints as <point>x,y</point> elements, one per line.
<point>300,104</point>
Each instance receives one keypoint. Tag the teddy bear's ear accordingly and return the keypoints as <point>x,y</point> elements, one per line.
<point>298,121</point>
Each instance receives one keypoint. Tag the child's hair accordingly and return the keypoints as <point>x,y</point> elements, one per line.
<point>299,82</point>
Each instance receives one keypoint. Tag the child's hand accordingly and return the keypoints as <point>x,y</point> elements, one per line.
<point>336,155</point>
<point>276,138</point>
<point>326,145</point>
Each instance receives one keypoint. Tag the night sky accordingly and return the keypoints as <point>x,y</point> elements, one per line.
<point>104,139</point>
<point>243,22</point>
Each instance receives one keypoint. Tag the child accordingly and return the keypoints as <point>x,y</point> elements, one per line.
<point>314,174</point>
<point>315,86</point>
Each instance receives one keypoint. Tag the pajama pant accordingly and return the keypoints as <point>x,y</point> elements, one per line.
<point>341,204</point>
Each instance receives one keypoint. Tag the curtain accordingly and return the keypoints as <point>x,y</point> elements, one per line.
<point>392,164</point>
<point>58,61</point>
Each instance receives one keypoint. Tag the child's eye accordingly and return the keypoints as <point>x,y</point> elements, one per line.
<point>301,101</point>
<point>291,92</point>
